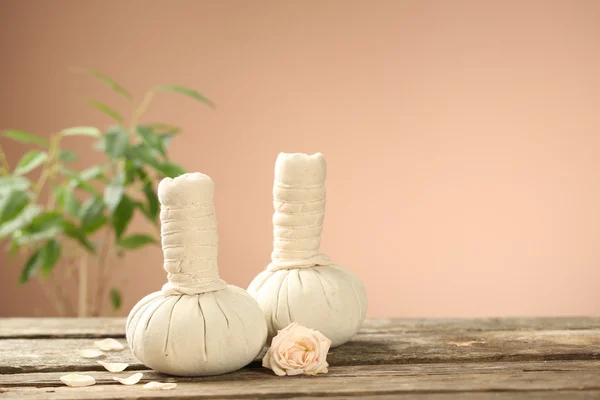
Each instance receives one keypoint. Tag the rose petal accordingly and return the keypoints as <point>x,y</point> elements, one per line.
<point>160,385</point>
<point>297,350</point>
<point>77,380</point>
<point>109,345</point>
<point>114,367</point>
<point>91,353</point>
<point>132,380</point>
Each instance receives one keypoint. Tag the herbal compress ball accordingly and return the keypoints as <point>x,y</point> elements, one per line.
<point>197,324</point>
<point>301,284</point>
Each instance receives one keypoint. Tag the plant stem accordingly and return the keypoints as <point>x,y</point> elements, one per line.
<point>83,287</point>
<point>100,277</point>
<point>47,169</point>
<point>58,306</point>
<point>4,162</point>
<point>137,113</point>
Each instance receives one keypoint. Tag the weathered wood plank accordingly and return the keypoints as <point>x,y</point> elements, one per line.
<point>61,327</point>
<point>26,355</point>
<point>115,327</point>
<point>529,377</point>
<point>49,379</point>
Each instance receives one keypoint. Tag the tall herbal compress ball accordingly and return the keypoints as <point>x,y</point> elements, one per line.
<point>197,324</point>
<point>301,284</point>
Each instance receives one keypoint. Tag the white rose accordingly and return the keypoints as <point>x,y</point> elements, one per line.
<point>297,350</point>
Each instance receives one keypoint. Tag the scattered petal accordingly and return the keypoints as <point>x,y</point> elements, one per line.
<point>132,380</point>
<point>77,380</point>
<point>91,353</point>
<point>159,386</point>
<point>109,345</point>
<point>114,367</point>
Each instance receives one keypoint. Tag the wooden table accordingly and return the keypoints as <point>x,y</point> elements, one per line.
<point>520,358</point>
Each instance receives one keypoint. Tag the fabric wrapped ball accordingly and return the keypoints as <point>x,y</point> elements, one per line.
<point>197,324</point>
<point>330,299</point>
<point>195,335</point>
<point>301,284</point>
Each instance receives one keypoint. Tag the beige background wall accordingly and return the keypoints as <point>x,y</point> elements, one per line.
<point>463,137</point>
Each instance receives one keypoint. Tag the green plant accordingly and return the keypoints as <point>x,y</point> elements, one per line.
<point>77,218</point>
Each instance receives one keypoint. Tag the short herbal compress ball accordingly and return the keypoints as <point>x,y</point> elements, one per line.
<point>197,324</point>
<point>300,284</point>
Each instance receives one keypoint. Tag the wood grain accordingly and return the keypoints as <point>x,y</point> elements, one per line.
<point>115,327</point>
<point>347,381</point>
<point>26,355</point>
<point>415,359</point>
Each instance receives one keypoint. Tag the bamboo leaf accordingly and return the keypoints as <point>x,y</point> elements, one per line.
<point>115,298</point>
<point>151,139</point>
<point>66,200</point>
<point>20,221</point>
<point>114,191</point>
<point>92,215</point>
<point>31,266</point>
<point>30,161</point>
<point>67,156</point>
<point>12,205</point>
<point>82,131</point>
<point>170,169</point>
<point>10,183</point>
<point>76,233</point>
<point>185,91</point>
<point>153,205</point>
<point>116,140</point>
<point>103,78</point>
<point>25,137</point>
<point>165,129</point>
<point>136,241</point>
<point>44,226</point>
<point>107,110</point>
<point>122,216</point>
<point>49,256</point>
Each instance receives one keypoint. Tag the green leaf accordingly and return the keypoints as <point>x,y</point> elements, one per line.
<point>95,172</point>
<point>80,179</point>
<point>151,139</point>
<point>49,256</point>
<point>22,220</point>
<point>9,183</point>
<point>66,200</point>
<point>67,156</point>
<point>143,154</point>
<point>135,241</point>
<point>115,298</point>
<point>153,205</point>
<point>167,129</point>
<point>114,191</point>
<point>76,233</point>
<point>30,161</point>
<point>166,139</point>
<point>92,215</point>
<point>171,170</point>
<point>25,137</point>
<point>44,221</point>
<point>185,91</point>
<point>114,85</point>
<point>31,266</point>
<point>44,226</point>
<point>116,140</point>
<point>82,131</point>
<point>122,216</point>
<point>130,172</point>
<point>12,205</point>
<point>107,110</point>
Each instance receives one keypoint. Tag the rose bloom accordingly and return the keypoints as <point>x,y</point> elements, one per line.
<point>297,350</point>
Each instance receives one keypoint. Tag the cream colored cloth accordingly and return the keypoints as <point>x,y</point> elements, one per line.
<point>301,284</point>
<point>197,325</point>
<point>189,235</point>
